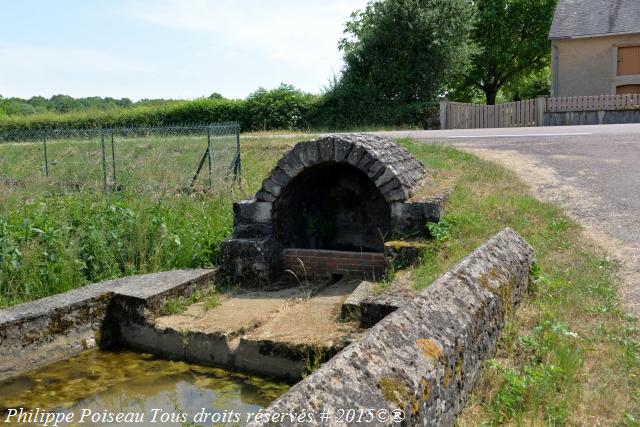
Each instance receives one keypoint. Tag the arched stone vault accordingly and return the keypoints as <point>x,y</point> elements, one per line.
<point>388,165</point>
<point>369,168</point>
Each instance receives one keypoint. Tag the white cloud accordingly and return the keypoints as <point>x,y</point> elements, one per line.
<point>183,49</point>
<point>302,33</point>
<point>23,56</point>
<point>29,70</point>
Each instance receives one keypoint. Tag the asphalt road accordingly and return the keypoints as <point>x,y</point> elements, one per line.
<point>592,171</point>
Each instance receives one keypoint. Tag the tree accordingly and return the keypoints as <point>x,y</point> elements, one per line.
<point>512,36</point>
<point>403,51</point>
<point>538,82</point>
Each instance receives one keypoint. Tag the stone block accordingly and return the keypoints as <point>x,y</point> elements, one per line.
<point>272,186</point>
<point>311,152</point>
<point>351,310</point>
<point>408,219</point>
<point>326,150</point>
<point>251,211</point>
<point>341,150</point>
<point>264,196</point>
<point>291,164</point>
<point>253,263</point>
<point>426,357</point>
<point>252,231</point>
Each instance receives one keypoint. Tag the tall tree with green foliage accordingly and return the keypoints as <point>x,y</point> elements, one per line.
<point>399,52</point>
<point>407,49</point>
<point>512,37</point>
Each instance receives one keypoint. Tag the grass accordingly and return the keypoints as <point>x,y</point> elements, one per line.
<point>208,296</point>
<point>54,239</point>
<point>152,164</point>
<point>569,355</point>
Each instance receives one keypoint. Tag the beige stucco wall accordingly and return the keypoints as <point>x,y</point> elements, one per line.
<point>588,66</point>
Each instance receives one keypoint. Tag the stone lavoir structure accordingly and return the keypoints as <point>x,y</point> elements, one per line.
<point>328,208</point>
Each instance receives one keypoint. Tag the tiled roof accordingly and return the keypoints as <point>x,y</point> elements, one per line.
<point>579,18</point>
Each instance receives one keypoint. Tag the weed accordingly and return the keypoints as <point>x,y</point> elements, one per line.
<point>313,359</point>
<point>306,286</point>
<point>441,230</point>
<point>178,305</point>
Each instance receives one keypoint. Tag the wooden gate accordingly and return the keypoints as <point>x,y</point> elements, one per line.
<point>459,115</point>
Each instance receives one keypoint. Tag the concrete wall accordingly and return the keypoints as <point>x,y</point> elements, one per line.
<point>575,118</point>
<point>54,328</point>
<point>426,357</point>
<point>588,66</point>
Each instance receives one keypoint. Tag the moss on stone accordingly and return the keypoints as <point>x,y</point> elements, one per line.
<point>459,363</point>
<point>503,291</point>
<point>396,245</point>
<point>394,391</point>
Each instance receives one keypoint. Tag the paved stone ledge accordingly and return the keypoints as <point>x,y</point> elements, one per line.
<point>426,357</point>
<point>53,328</point>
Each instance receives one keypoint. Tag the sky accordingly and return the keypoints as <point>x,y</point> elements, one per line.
<point>181,49</point>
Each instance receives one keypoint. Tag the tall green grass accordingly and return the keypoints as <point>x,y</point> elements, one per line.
<point>53,239</point>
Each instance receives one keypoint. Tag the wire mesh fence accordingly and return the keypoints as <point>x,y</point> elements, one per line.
<point>180,158</point>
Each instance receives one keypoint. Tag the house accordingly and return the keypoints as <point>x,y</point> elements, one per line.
<point>595,47</point>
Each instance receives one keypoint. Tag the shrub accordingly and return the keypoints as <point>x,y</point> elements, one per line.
<point>282,108</point>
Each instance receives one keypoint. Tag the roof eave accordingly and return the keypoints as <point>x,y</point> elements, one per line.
<point>585,36</point>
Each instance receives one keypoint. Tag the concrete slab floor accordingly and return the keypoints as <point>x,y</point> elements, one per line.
<point>302,315</point>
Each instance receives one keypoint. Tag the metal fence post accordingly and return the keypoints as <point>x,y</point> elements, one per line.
<point>46,159</point>
<point>113,160</point>
<point>209,155</point>
<point>104,162</point>
<point>239,165</point>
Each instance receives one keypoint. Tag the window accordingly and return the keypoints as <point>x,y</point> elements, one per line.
<point>628,60</point>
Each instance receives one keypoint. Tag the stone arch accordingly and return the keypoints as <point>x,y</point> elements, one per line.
<point>368,178</point>
<point>389,166</point>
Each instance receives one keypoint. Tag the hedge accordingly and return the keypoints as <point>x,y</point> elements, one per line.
<point>282,108</point>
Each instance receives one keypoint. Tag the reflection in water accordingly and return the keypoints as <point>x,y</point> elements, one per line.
<point>123,381</point>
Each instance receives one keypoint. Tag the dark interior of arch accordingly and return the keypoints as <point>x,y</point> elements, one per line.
<point>332,206</point>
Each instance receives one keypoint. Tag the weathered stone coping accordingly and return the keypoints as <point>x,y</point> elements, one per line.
<point>53,328</point>
<point>426,357</point>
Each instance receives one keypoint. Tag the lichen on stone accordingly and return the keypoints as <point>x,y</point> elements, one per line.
<point>448,374</point>
<point>430,349</point>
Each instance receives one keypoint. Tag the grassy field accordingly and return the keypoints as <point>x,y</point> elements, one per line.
<point>55,237</point>
<point>133,164</point>
<point>569,356</point>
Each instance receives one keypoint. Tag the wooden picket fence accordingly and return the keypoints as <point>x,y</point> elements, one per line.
<point>530,112</point>
<point>459,115</point>
<point>593,103</point>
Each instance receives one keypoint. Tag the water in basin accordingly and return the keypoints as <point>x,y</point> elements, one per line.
<point>120,381</point>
